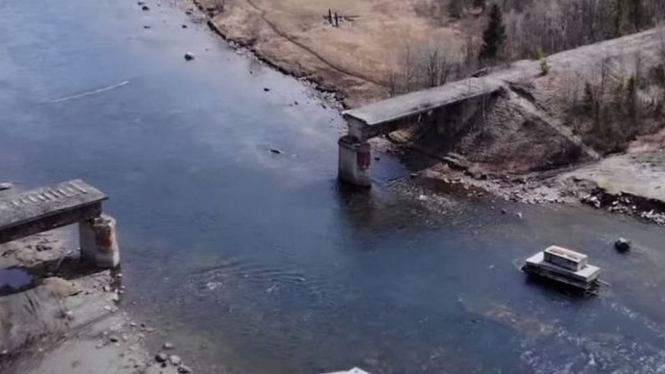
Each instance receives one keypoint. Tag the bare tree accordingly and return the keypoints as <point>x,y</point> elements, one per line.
<point>392,83</point>
<point>556,25</point>
<point>409,69</point>
<point>438,67</point>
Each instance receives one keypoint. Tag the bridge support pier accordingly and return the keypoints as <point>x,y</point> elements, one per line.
<point>99,243</point>
<point>355,161</point>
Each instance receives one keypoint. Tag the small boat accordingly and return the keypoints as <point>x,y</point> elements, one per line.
<point>564,266</point>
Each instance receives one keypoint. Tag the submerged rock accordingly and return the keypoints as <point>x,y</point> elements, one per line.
<point>160,357</point>
<point>175,360</point>
<point>622,245</point>
<point>184,369</point>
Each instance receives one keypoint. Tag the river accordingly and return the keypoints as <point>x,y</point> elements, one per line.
<point>254,262</point>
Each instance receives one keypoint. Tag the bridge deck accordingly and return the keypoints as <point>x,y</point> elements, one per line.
<point>414,103</point>
<point>47,208</point>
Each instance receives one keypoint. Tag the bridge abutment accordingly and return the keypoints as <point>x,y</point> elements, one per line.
<point>355,161</point>
<point>99,243</point>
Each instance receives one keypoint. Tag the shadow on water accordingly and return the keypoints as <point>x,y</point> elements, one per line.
<point>392,208</point>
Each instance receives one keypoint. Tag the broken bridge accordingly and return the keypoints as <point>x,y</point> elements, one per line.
<point>453,101</point>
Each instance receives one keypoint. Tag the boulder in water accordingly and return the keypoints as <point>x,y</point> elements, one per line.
<point>622,245</point>
<point>175,360</point>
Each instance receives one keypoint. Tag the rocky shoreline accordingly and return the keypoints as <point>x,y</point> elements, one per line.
<point>623,203</point>
<point>60,315</point>
<point>330,94</point>
<point>573,186</point>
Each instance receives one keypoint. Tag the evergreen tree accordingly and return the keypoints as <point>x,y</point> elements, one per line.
<point>630,101</point>
<point>589,101</point>
<point>494,35</point>
<point>619,17</point>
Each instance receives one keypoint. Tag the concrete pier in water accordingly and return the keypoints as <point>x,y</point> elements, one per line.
<point>99,242</point>
<point>355,161</point>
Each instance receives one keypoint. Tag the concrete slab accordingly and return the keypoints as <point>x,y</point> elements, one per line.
<point>414,103</point>
<point>47,208</point>
<point>639,174</point>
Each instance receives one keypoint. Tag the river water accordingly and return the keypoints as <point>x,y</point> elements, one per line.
<point>254,262</point>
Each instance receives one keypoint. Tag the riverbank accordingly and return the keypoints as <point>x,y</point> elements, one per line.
<point>508,143</point>
<point>59,315</point>
<point>357,54</point>
<point>631,184</point>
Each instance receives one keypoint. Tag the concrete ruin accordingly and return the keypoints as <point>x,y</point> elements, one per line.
<point>98,241</point>
<point>454,101</point>
<point>564,266</point>
<point>447,106</point>
<point>59,205</point>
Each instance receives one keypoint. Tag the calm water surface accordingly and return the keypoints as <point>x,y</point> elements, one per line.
<point>260,263</point>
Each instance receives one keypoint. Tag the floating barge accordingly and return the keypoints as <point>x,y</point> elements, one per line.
<point>564,266</point>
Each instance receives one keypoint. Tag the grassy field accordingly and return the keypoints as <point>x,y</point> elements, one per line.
<point>371,43</point>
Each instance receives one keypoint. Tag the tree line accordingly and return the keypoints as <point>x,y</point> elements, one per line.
<point>522,29</point>
<point>518,29</point>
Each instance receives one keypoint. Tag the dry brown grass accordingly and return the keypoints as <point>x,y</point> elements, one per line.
<point>357,57</point>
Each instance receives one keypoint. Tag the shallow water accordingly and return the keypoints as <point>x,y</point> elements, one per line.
<point>12,280</point>
<point>256,262</point>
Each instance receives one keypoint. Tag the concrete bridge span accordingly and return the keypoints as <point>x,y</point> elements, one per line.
<point>455,101</point>
<point>386,116</point>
